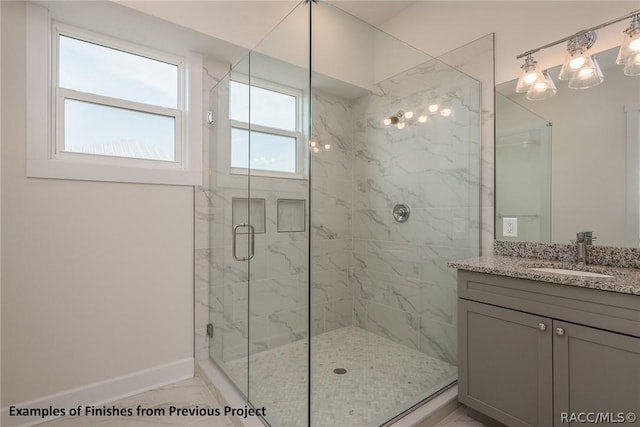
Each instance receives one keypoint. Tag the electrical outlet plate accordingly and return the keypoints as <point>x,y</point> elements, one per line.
<point>510,227</point>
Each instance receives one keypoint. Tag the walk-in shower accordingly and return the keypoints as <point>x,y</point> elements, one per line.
<point>324,306</point>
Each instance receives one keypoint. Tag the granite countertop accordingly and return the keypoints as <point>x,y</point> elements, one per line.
<point>624,280</point>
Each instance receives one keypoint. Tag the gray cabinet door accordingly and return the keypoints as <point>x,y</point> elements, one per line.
<point>505,364</point>
<point>594,371</point>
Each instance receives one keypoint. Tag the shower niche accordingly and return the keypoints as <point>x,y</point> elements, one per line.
<point>340,315</point>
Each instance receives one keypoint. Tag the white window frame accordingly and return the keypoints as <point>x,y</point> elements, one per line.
<point>297,134</point>
<point>46,157</point>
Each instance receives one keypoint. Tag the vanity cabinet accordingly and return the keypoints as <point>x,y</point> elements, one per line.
<point>530,351</point>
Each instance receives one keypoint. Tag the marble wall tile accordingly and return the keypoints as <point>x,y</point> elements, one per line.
<point>384,289</point>
<point>396,325</point>
<point>292,215</point>
<point>317,318</point>
<point>398,273</point>
<point>438,340</point>
<point>338,314</point>
<point>386,257</point>
<point>286,327</point>
<point>439,301</point>
<point>268,296</point>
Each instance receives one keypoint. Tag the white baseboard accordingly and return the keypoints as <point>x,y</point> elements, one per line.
<point>103,391</point>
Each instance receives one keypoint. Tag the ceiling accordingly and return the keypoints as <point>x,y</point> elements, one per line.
<point>245,23</point>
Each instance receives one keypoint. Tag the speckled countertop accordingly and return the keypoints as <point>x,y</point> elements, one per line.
<point>623,280</point>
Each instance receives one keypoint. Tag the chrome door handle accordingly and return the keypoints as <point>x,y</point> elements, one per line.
<point>560,331</point>
<point>542,326</point>
<point>252,242</point>
<point>233,243</point>
<point>252,245</point>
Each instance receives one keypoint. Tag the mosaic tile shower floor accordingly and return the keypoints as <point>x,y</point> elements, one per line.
<point>380,376</point>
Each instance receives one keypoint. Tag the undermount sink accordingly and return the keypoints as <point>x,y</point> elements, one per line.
<point>569,272</point>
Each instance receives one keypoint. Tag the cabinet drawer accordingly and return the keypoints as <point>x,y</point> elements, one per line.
<point>601,309</point>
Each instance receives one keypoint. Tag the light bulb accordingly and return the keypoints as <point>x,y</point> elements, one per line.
<point>585,73</point>
<point>327,146</point>
<point>422,119</point>
<point>540,86</point>
<point>577,62</point>
<point>433,108</point>
<point>313,143</point>
<point>445,112</point>
<point>401,125</point>
<point>408,114</point>
<point>530,78</point>
<point>316,149</point>
<point>386,121</point>
<point>635,45</point>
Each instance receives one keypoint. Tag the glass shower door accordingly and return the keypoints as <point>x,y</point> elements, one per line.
<point>231,230</point>
<point>277,132</point>
<point>259,228</point>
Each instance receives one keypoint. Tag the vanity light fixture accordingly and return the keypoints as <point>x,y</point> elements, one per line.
<point>579,67</point>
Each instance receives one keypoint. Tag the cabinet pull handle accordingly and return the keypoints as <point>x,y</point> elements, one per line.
<point>542,326</point>
<point>559,331</point>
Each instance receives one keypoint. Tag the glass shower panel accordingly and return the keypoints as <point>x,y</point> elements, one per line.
<point>391,126</point>
<point>523,172</point>
<point>278,126</point>
<point>231,207</point>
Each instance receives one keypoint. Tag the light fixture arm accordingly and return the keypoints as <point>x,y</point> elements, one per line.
<point>635,15</point>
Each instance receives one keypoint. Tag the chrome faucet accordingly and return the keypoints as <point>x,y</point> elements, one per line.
<point>583,240</point>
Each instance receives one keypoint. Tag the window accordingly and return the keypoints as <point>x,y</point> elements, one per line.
<point>117,112</point>
<point>115,103</point>
<point>265,135</point>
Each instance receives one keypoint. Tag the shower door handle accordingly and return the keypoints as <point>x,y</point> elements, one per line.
<point>252,242</point>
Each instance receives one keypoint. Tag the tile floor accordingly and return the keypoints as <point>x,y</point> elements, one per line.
<point>381,376</point>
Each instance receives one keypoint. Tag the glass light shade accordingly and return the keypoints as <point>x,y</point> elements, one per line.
<point>422,119</point>
<point>632,67</point>
<point>529,75</point>
<point>587,77</point>
<point>408,114</point>
<point>576,61</point>
<point>631,43</point>
<point>541,90</point>
<point>433,107</point>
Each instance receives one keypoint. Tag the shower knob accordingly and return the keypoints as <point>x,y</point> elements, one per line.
<point>401,212</point>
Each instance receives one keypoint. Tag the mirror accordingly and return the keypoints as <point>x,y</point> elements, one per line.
<point>570,163</point>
